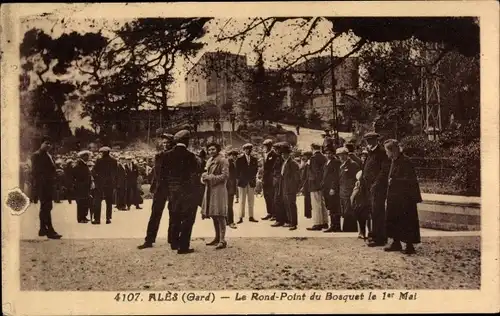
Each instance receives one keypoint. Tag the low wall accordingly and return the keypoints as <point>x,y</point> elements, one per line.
<point>448,212</point>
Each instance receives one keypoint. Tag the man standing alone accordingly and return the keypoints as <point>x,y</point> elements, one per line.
<point>43,177</point>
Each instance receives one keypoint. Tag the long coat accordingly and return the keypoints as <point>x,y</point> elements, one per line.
<point>269,164</point>
<point>304,169</point>
<point>82,178</point>
<point>43,175</point>
<point>331,182</point>
<point>315,174</point>
<point>215,197</point>
<point>403,195</point>
<point>290,179</point>
<point>347,178</point>
<point>231,180</point>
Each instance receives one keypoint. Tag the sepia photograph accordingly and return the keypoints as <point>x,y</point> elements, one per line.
<point>271,157</point>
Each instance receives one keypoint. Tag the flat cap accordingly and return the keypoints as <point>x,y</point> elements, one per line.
<point>233,152</point>
<point>364,152</point>
<point>372,135</point>
<point>341,150</point>
<point>90,163</point>
<point>284,146</point>
<point>182,134</point>
<point>105,148</point>
<point>247,145</point>
<point>268,142</point>
<point>83,153</point>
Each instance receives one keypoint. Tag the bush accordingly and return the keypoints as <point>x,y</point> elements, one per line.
<point>421,146</point>
<point>467,164</point>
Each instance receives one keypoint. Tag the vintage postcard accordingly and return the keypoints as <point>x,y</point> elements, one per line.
<point>250,158</point>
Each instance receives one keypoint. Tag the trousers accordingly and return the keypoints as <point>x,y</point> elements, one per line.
<point>246,194</point>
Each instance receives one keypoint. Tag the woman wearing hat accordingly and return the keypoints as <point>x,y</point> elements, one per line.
<point>214,203</point>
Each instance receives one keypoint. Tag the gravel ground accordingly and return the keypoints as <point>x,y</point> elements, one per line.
<point>248,263</point>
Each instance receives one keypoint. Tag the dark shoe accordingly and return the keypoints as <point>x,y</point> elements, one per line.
<point>138,208</point>
<point>184,251</point>
<point>240,221</point>
<point>251,219</point>
<point>212,243</point>
<point>145,245</point>
<point>267,217</point>
<point>286,225</point>
<point>329,230</point>
<point>315,227</point>
<point>42,233</point>
<point>108,221</point>
<point>221,245</point>
<point>96,223</point>
<point>293,228</point>
<point>277,224</point>
<point>54,236</point>
<point>376,244</point>
<point>410,250</point>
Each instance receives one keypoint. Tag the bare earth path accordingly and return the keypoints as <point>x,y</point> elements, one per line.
<point>104,257</point>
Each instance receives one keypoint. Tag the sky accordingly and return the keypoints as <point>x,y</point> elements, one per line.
<point>277,46</point>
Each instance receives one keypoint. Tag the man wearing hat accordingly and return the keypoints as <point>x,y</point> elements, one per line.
<point>315,177</point>
<point>68,180</point>
<point>121,185</point>
<point>82,180</point>
<point>288,187</point>
<point>374,185</point>
<point>132,173</point>
<point>270,158</point>
<point>246,176</point>
<point>347,181</point>
<point>180,171</point>
<point>330,187</point>
<point>43,175</point>
<point>105,172</point>
<point>352,155</point>
<point>160,193</point>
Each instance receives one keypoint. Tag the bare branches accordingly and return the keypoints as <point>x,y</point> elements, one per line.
<point>256,22</point>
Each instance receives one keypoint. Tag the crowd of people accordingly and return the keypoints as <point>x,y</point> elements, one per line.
<point>373,191</point>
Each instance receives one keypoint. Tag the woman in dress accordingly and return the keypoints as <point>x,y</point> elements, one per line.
<point>214,203</point>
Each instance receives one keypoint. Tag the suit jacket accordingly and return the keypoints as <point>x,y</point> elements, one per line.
<point>121,177</point>
<point>269,164</point>
<point>315,172</point>
<point>231,180</point>
<point>155,183</point>
<point>347,179</point>
<point>290,179</point>
<point>43,174</point>
<point>331,173</point>
<point>180,170</point>
<point>82,180</point>
<point>105,171</point>
<point>246,173</point>
<point>375,171</point>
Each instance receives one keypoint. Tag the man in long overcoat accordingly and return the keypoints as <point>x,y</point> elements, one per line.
<point>289,185</point>
<point>330,187</point>
<point>43,175</point>
<point>315,175</point>
<point>83,184</point>
<point>121,186</point>
<point>132,173</point>
<point>105,171</point>
<point>231,187</point>
<point>270,157</point>
<point>374,184</point>
<point>403,195</point>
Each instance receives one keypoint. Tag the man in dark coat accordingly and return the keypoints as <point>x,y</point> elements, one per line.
<point>83,184</point>
<point>246,176</point>
<point>330,187</point>
<point>68,180</point>
<point>278,205</point>
<point>231,187</point>
<point>304,170</point>
<point>160,195</point>
<point>289,186</point>
<point>121,186</point>
<point>105,171</point>
<point>347,181</point>
<point>270,158</point>
<point>180,170</point>
<point>403,195</point>
<point>374,184</point>
<point>131,174</point>
<point>43,176</point>
<point>315,175</point>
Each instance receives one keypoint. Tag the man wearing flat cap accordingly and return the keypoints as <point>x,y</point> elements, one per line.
<point>160,193</point>
<point>43,174</point>
<point>105,173</point>
<point>270,158</point>
<point>288,187</point>
<point>121,185</point>
<point>180,171</point>
<point>231,186</point>
<point>133,194</point>
<point>246,176</point>
<point>83,184</point>
<point>315,177</point>
<point>374,185</point>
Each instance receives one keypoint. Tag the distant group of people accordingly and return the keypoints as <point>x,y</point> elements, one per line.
<point>374,193</point>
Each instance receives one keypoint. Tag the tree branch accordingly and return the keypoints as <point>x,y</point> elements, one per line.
<point>244,32</point>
